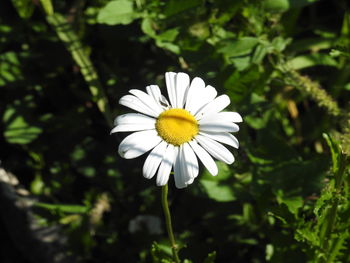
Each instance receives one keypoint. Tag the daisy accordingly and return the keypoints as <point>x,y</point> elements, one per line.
<point>192,125</point>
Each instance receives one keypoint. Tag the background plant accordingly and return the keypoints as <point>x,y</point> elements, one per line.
<point>285,66</point>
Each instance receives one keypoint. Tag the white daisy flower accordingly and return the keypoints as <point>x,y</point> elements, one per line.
<point>192,125</point>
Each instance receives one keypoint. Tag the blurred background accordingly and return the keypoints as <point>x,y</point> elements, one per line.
<point>67,196</point>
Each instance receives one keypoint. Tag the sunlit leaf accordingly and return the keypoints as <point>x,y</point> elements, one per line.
<point>216,187</point>
<point>294,203</point>
<point>79,209</point>
<point>117,12</point>
<point>312,60</point>
<point>284,5</point>
<point>17,129</point>
<point>24,8</point>
<point>10,70</point>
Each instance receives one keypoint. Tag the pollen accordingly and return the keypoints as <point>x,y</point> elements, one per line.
<point>177,126</point>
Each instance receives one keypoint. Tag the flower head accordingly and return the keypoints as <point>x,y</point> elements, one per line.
<point>192,125</point>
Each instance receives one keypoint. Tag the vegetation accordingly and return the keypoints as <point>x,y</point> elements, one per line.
<point>285,65</point>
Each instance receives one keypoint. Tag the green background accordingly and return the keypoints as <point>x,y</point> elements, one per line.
<point>285,66</point>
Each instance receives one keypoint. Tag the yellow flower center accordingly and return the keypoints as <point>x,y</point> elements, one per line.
<point>176,126</point>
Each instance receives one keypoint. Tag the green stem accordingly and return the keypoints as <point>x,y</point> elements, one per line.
<point>73,44</point>
<point>327,229</point>
<point>169,227</point>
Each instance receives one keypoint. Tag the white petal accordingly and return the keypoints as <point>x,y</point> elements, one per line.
<point>196,88</point>
<point>134,103</point>
<point>186,166</point>
<point>216,149</point>
<point>138,143</point>
<point>182,84</point>
<point>153,160</point>
<point>234,116</point>
<point>170,85</point>
<point>223,116</point>
<point>223,137</point>
<point>198,96</point>
<point>190,161</point>
<point>218,126</point>
<point>154,92</point>
<point>147,100</point>
<point>166,165</point>
<point>133,127</point>
<point>214,106</point>
<point>205,158</point>
<point>133,118</point>
<point>133,122</point>
<point>179,170</point>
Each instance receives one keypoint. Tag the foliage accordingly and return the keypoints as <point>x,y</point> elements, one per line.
<point>285,66</point>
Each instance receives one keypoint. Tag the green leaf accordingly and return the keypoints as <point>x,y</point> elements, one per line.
<point>335,151</point>
<point>259,54</point>
<point>37,185</point>
<point>47,5</point>
<point>163,40</point>
<point>293,203</point>
<point>24,8</point>
<point>176,6</point>
<point>210,258</point>
<point>307,233</point>
<point>269,252</point>
<point>10,70</point>
<point>17,130</point>
<point>117,12</point>
<point>284,5</point>
<point>217,191</point>
<point>312,60</point>
<point>76,209</point>
<point>168,35</point>
<point>147,27</point>
<point>239,47</point>
<point>216,186</point>
<point>315,43</point>
<point>160,253</point>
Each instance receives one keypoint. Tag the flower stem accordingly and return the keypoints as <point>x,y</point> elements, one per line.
<point>169,227</point>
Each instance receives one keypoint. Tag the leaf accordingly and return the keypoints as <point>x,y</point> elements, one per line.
<point>160,254</point>
<point>324,200</point>
<point>47,5</point>
<point>307,233</point>
<point>335,151</point>
<point>238,86</point>
<point>24,8</point>
<point>269,252</point>
<point>218,192</point>
<point>177,6</point>
<point>311,60</point>
<point>168,35</point>
<point>239,47</point>
<point>165,39</point>
<point>338,244</point>
<point>315,43</point>
<point>117,12</point>
<point>147,27</point>
<point>75,209</point>
<point>284,5</point>
<point>293,203</point>
<point>210,258</point>
<point>216,187</point>
<point>259,54</point>
<point>10,70</point>
<point>17,130</point>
